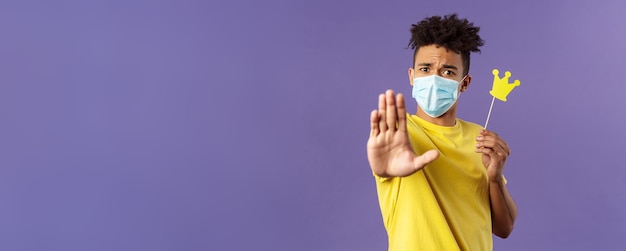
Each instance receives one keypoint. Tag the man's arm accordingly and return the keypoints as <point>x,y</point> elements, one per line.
<point>503,209</point>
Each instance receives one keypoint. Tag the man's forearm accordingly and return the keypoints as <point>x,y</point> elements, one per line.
<point>503,208</point>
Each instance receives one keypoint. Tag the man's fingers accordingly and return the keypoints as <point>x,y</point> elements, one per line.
<point>420,161</point>
<point>392,112</point>
<point>374,123</point>
<point>484,150</point>
<point>492,140</point>
<point>382,107</point>
<point>505,147</point>
<point>501,150</point>
<point>493,152</point>
<point>401,112</point>
<point>489,152</point>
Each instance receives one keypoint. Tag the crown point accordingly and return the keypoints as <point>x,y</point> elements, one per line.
<point>507,74</point>
<point>495,72</point>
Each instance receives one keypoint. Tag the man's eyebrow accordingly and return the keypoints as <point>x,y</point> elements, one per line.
<point>450,66</point>
<point>446,66</point>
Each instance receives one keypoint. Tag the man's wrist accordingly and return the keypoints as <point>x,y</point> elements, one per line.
<point>499,179</point>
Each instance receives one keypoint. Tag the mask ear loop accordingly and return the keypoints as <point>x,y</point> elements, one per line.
<point>459,95</point>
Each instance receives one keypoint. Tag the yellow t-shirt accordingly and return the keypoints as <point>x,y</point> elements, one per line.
<point>445,206</point>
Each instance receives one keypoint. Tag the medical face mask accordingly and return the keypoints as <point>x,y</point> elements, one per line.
<point>435,95</point>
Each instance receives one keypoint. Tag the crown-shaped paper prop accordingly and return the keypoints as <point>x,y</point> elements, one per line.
<point>501,86</point>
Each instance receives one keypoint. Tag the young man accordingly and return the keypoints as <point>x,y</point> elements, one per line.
<point>439,178</point>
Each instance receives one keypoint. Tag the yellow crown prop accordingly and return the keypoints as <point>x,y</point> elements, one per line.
<point>501,86</point>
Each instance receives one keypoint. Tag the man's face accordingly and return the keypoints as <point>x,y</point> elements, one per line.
<point>436,59</point>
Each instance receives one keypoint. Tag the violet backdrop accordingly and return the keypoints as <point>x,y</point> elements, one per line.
<point>241,125</point>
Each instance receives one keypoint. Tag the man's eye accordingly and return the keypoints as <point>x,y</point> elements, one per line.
<point>424,69</point>
<point>448,73</point>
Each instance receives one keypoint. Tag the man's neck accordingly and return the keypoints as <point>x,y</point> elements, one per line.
<point>447,119</point>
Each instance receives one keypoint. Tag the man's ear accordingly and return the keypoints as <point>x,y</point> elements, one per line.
<point>466,82</point>
<point>411,74</point>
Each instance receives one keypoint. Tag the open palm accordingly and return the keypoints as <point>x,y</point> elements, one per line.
<point>388,148</point>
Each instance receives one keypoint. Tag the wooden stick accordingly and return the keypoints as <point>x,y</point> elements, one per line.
<point>489,115</point>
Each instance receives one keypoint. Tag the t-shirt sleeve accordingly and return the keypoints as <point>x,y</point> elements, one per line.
<point>381,179</point>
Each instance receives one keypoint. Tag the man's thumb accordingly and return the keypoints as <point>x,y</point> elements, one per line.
<point>424,159</point>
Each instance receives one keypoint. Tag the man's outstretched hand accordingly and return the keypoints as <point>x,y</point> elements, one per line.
<point>388,149</point>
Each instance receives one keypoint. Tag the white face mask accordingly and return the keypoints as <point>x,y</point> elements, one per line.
<point>435,95</point>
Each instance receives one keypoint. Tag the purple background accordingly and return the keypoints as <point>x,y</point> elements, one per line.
<point>241,125</point>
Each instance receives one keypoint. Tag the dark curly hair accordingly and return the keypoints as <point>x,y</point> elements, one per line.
<point>458,35</point>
